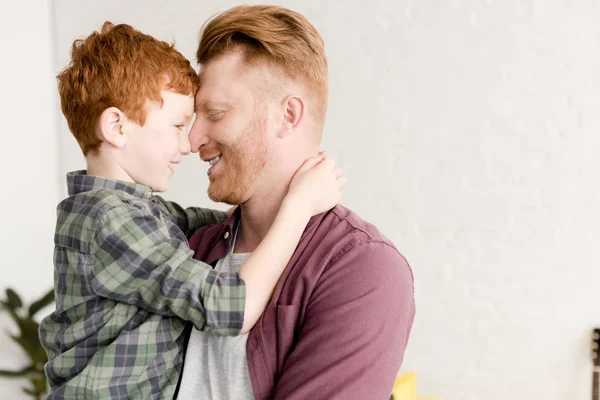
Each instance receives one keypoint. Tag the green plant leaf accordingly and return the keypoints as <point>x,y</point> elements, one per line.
<point>36,306</point>
<point>23,343</point>
<point>14,315</point>
<point>39,384</point>
<point>14,301</point>
<point>30,345</point>
<point>28,340</point>
<point>30,392</point>
<point>29,328</point>
<point>16,374</point>
<point>39,357</point>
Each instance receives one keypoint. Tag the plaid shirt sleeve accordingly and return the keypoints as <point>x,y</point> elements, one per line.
<point>139,261</point>
<point>191,218</point>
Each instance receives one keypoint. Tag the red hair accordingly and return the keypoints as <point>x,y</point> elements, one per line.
<point>275,35</point>
<point>118,67</point>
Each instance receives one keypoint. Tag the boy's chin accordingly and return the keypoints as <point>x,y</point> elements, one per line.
<point>158,187</point>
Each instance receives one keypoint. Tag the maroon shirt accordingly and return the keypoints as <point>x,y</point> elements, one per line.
<point>340,316</point>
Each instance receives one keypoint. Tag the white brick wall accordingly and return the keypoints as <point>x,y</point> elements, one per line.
<point>469,131</point>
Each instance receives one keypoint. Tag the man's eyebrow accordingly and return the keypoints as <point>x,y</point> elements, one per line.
<point>205,103</point>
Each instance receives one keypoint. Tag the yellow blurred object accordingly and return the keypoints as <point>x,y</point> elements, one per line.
<point>405,388</point>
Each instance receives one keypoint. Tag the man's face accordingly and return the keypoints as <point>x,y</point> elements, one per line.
<point>231,129</point>
<point>152,150</point>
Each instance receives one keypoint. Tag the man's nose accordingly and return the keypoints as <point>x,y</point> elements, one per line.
<point>197,136</point>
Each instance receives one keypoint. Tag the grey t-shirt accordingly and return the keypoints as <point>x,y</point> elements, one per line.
<point>215,366</point>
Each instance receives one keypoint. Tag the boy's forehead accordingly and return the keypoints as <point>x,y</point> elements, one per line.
<point>177,102</point>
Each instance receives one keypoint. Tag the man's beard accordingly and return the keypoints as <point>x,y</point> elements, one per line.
<point>244,161</point>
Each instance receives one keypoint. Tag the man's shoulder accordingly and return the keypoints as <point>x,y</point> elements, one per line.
<point>340,225</point>
<point>356,256</point>
<point>356,247</point>
<point>357,224</point>
<point>207,234</point>
<point>346,228</point>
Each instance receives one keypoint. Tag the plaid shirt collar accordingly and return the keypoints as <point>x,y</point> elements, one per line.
<point>79,182</point>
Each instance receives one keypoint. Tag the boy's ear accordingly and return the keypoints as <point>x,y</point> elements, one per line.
<point>111,127</point>
<point>293,111</point>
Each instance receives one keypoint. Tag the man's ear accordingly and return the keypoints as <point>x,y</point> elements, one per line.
<point>293,112</point>
<point>111,127</point>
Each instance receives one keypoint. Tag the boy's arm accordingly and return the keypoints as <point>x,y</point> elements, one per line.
<point>138,262</point>
<point>191,218</point>
<point>312,190</point>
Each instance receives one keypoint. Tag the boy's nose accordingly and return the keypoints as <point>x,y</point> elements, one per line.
<point>184,147</point>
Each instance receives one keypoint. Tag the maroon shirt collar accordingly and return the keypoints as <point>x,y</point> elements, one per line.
<point>219,247</point>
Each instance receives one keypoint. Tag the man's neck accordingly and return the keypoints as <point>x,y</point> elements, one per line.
<point>257,216</point>
<point>258,213</point>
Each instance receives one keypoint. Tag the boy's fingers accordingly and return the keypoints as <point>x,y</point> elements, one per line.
<point>311,162</point>
<point>328,163</point>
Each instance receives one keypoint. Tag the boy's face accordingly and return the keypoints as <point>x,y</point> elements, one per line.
<point>154,149</point>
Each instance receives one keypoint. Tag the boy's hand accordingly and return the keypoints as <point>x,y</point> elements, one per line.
<point>316,186</point>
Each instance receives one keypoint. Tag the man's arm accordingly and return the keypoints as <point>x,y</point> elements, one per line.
<point>352,340</point>
<point>191,218</point>
<point>138,262</point>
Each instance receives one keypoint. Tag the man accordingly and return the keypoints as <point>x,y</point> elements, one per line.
<point>340,317</point>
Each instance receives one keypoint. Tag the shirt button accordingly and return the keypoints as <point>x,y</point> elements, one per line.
<point>226,235</point>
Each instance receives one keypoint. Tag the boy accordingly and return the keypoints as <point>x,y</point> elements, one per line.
<point>125,279</point>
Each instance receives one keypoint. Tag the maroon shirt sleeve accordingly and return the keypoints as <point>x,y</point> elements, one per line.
<point>352,339</point>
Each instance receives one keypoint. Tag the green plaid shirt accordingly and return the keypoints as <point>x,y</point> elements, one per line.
<point>125,283</point>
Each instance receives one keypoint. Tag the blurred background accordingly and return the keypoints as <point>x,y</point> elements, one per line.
<point>469,134</point>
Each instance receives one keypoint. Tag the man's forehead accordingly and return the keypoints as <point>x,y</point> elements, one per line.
<point>228,78</point>
<point>210,94</point>
<point>218,88</point>
<point>228,63</point>
<point>233,68</point>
